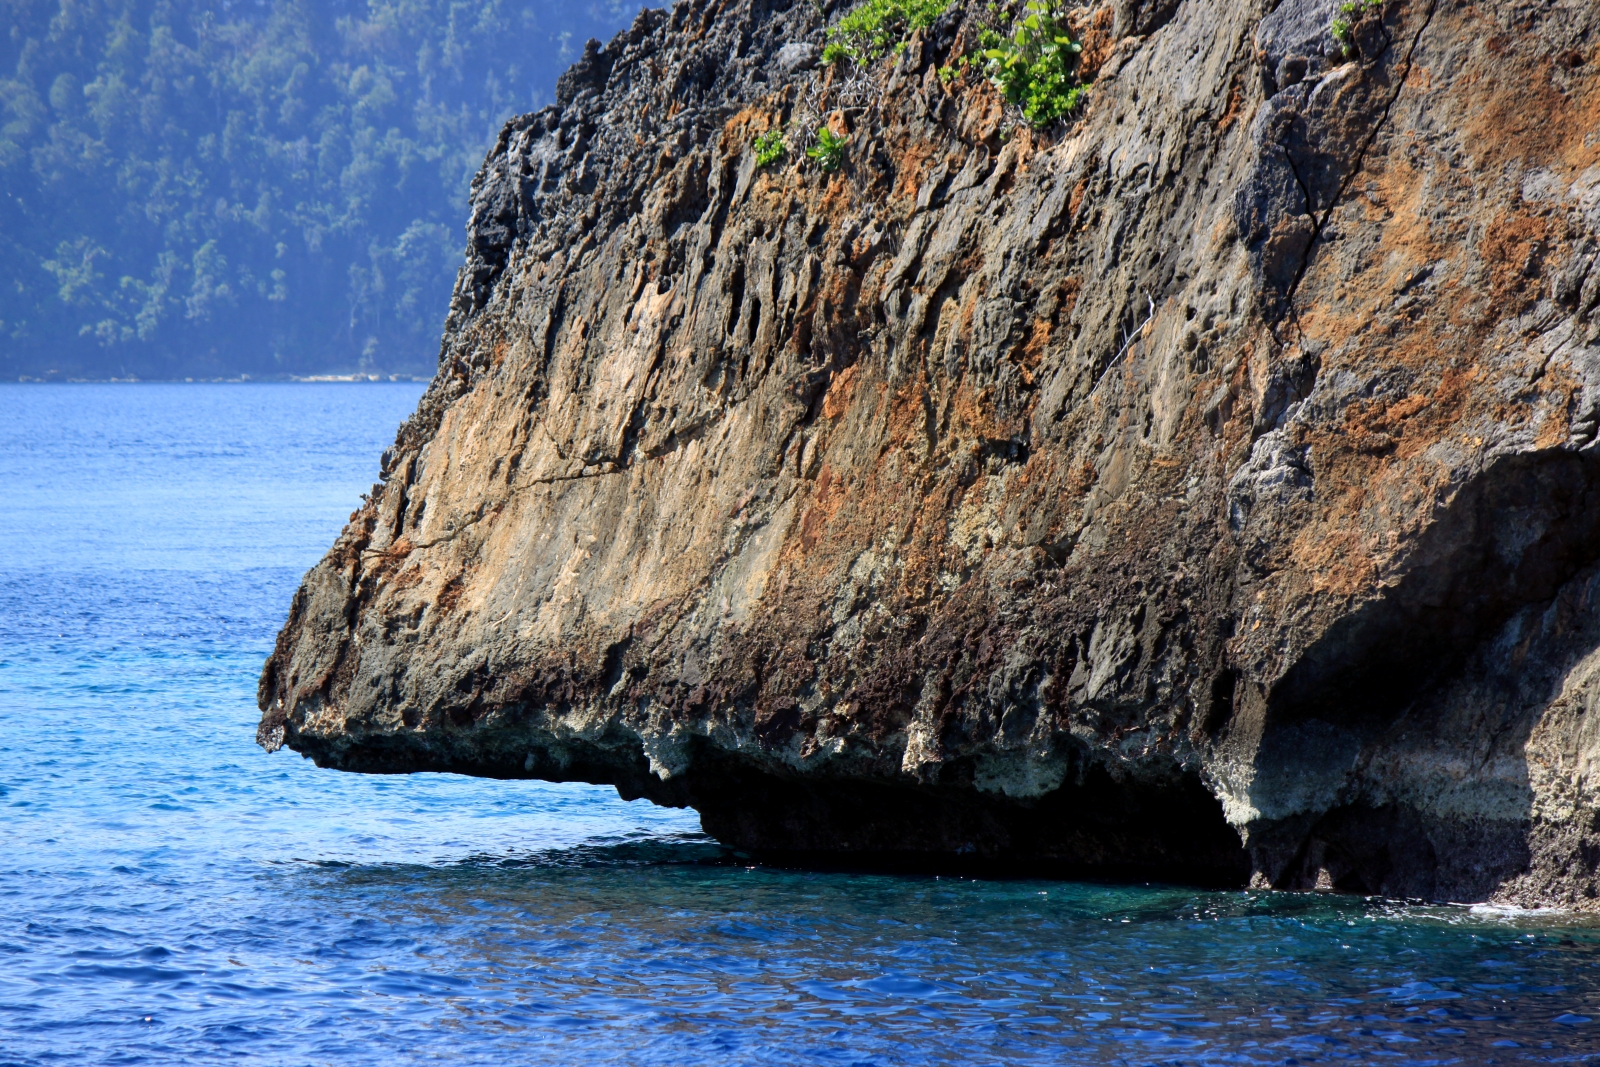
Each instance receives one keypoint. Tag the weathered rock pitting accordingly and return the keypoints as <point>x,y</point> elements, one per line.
<point>1206,490</point>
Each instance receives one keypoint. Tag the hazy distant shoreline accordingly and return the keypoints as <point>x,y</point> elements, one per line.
<point>245,379</point>
<point>219,188</point>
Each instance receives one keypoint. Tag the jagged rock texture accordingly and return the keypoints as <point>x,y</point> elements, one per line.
<point>1207,489</point>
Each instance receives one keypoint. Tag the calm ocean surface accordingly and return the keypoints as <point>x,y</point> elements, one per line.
<point>171,894</point>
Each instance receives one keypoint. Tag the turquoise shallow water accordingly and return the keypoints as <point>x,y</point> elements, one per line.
<point>171,894</point>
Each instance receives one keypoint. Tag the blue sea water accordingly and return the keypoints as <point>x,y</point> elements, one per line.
<point>171,894</point>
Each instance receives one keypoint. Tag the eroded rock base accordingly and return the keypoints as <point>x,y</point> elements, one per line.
<point>1172,832</point>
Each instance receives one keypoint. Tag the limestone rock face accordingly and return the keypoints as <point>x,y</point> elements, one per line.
<point>1206,489</point>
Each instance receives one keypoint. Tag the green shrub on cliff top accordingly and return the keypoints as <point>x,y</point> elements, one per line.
<point>871,30</point>
<point>1033,60</point>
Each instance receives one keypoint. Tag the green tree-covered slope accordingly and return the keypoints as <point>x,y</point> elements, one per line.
<point>205,188</point>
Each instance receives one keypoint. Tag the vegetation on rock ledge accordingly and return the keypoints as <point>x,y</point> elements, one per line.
<point>872,30</point>
<point>829,149</point>
<point>770,147</point>
<point>1032,59</point>
<point>1349,14</point>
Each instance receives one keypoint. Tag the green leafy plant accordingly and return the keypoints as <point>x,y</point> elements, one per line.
<point>1350,13</point>
<point>770,147</point>
<point>948,74</point>
<point>871,30</point>
<point>829,149</point>
<point>1033,60</point>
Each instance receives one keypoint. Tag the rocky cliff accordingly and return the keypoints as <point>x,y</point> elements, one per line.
<point>1205,488</point>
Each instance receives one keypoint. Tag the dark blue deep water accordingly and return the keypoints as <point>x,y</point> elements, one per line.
<point>171,894</point>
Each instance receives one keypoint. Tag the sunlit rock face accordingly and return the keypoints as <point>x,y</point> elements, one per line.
<point>1204,489</point>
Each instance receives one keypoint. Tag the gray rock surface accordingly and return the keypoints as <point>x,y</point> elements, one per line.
<point>795,56</point>
<point>1205,489</point>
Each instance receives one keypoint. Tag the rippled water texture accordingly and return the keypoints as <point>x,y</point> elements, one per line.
<point>169,893</point>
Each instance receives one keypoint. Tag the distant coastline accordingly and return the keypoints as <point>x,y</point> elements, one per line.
<point>202,189</point>
<point>243,379</point>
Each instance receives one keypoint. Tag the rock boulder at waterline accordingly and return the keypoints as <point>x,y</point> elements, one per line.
<point>1205,489</point>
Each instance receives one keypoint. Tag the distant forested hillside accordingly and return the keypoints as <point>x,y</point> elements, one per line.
<point>205,188</point>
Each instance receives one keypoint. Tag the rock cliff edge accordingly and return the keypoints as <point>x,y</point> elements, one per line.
<point>1207,488</point>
